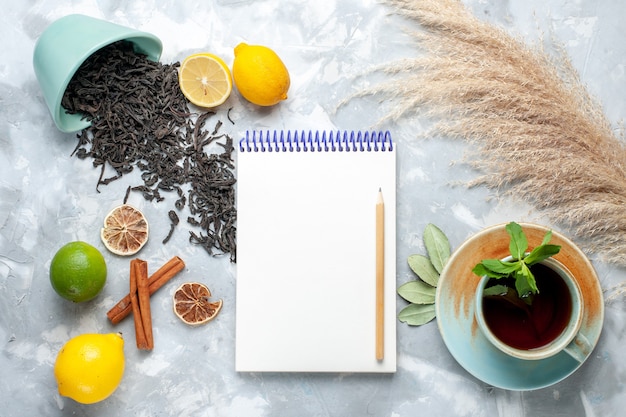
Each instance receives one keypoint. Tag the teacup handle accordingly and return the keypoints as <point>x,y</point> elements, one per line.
<point>579,348</point>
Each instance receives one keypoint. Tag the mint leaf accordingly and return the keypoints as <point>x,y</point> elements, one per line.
<point>502,292</point>
<point>500,267</point>
<point>481,270</point>
<point>525,281</point>
<point>519,268</point>
<point>541,253</point>
<point>495,290</point>
<point>518,244</point>
<point>546,238</point>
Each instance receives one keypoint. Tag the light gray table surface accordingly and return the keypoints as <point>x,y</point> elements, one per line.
<point>48,198</point>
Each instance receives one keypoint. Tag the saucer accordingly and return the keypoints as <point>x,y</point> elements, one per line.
<point>459,329</point>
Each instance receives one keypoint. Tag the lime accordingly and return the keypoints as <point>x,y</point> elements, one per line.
<point>78,271</point>
<point>89,367</point>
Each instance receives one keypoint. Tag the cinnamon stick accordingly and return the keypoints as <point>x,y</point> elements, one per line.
<point>140,335</point>
<point>156,281</point>
<point>143,296</point>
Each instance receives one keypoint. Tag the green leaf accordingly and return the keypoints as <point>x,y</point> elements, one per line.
<point>541,253</point>
<point>481,269</point>
<point>518,243</point>
<point>501,267</point>
<point>509,295</point>
<point>424,269</point>
<point>519,268</point>
<point>417,292</point>
<point>417,314</point>
<point>547,237</point>
<point>525,281</point>
<point>496,290</point>
<point>437,246</point>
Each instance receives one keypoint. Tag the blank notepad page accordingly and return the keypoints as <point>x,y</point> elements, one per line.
<point>306,252</point>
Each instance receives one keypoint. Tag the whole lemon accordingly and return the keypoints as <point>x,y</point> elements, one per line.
<point>89,367</point>
<point>260,75</point>
<point>78,271</point>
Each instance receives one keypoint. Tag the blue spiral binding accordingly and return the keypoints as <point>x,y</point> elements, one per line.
<point>325,141</point>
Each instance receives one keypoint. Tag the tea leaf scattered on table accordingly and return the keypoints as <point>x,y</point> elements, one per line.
<point>423,268</point>
<point>437,246</point>
<point>417,314</point>
<point>140,120</point>
<point>417,292</point>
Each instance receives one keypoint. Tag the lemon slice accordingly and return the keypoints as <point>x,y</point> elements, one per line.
<point>192,305</point>
<point>205,80</point>
<point>125,230</point>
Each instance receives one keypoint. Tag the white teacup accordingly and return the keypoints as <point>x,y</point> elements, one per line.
<point>570,340</point>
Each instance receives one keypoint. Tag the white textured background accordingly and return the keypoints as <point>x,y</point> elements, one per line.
<point>48,198</point>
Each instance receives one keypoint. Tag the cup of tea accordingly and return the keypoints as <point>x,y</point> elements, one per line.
<point>546,326</point>
<point>63,47</point>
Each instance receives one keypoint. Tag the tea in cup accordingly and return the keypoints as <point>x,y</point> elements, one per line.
<point>538,327</point>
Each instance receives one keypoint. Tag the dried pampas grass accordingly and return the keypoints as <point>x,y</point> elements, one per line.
<point>536,133</point>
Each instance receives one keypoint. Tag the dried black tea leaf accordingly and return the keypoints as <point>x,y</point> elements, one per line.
<point>140,119</point>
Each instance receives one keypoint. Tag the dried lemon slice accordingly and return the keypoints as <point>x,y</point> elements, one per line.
<point>192,305</point>
<point>125,230</point>
<point>205,80</point>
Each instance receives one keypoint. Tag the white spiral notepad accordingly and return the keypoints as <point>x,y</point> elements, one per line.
<point>306,251</point>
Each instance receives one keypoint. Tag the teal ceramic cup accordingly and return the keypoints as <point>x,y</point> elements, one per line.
<point>65,44</point>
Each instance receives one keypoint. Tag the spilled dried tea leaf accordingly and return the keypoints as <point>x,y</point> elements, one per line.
<point>141,120</point>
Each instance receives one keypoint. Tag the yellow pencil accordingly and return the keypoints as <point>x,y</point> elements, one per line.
<point>380,276</point>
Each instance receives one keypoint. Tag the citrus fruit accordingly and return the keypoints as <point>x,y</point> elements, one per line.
<point>89,367</point>
<point>125,230</point>
<point>260,75</point>
<point>192,305</point>
<point>78,271</point>
<point>205,80</point>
